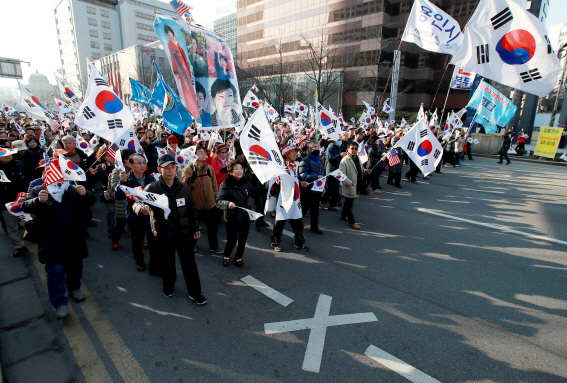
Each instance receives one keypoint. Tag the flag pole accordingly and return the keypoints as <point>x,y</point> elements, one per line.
<point>391,71</point>
<point>445,104</point>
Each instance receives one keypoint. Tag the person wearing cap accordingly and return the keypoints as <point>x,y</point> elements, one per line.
<point>22,154</point>
<point>139,225</point>
<point>219,163</point>
<point>172,144</point>
<point>162,143</point>
<point>19,175</point>
<point>61,222</point>
<point>201,177</point>
<point>179,231</point>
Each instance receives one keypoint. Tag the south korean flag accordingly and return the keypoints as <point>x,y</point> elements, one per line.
<point>319,185</point>
<point>102,112</point>
<point>129,140</point>
<point>422,147</point>
<point>250,100</point>
<point>71,171</point>
<point>505,43</point>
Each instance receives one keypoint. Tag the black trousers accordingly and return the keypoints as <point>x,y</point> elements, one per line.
<point>505,155</point>
<point>186,253</point>
<point>347,210</point>
<point>521,146</point>
<point>313,200</point>
<point>296,226</point>
<point>259,203</point>
<point>469,151</point>
<point>138,241</point>
<point>414,170</point>
<point>332,194</point>
<point>118,229</point>
<point>394,177</point>
<point>233,234</point>
<point>212,220</point>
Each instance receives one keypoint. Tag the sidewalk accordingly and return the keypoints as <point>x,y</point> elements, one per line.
<point>33,347</point>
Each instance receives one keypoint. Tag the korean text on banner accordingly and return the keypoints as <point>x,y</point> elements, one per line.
<point>548,141</point>
<point>493,108</point>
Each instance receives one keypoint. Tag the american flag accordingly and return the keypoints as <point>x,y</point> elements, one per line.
<point>301,138</point>
<point>112,151</point>
<point>180,7</point>
<point>55,127</point>
<point>65,124</point>
<point>393,158</point>
<point>52,172</point>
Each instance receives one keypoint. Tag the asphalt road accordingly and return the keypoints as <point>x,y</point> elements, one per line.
<point>458,301</point>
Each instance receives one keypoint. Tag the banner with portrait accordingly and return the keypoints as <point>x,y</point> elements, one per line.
<point>204,72</point>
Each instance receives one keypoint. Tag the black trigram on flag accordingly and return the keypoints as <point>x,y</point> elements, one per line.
<point>254,133</point>
<point>100,81</point>
<point>122,142</point>
<point>482,54</point>
<point>88,113</point>
<point>549,48</point>
<point>423,133</point>
<point>114,123</point>
<point>424,162</point>
<point>256,159</point>
<point>530,75</point>
<point>30,104</point>
<point>436,153</point>
<point>501,18</point>
<point>151,197</point>
<point>411,145</point>
<point>276,156</point>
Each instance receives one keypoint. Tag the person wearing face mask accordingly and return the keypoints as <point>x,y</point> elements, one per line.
<point>334,156</point>
<point>310,170</point>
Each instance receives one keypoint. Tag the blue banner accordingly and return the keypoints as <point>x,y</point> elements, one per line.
<point>175,116</point>
<point>140,93</point>
<point>492,107</point>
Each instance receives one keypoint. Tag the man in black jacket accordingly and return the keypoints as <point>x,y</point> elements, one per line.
<point>19,175</point>
<point>504,149</point>
<point>179,231</point>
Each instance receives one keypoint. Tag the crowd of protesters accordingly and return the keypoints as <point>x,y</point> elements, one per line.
<point>216,188</point>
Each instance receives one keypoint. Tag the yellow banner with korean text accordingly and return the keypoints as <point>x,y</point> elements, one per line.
<point>548,142</point>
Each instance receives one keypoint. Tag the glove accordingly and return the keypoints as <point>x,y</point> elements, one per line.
<point>223,170</point>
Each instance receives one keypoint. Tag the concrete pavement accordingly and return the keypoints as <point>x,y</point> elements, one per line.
<point>454,301</point>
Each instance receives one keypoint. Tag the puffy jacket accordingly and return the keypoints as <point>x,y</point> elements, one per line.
<point>135,222</point>
<point>217,165</point>
<point>203,184</point>
<point>229,192</point>
<point>310,168</point>
<point>19,175</point>
<point>182,222</point>
<point>333,155</point>
<point>61,226</point>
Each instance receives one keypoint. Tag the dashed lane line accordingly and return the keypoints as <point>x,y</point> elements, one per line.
<point>501,228</point>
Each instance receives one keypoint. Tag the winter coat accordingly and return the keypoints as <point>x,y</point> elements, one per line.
<point>103,173</point>
<point>506,144</point>
<point>375,152</point>
<point>19,175</point>
<point>119,204</point>
<point>61,226</point>
<point>203,184</point>
<point>310,168</point>
<point>182,222</point>
<point>460,143</point>
<point>135,222</point>
<point>229,192</point>
<point>217,165</point>
<point>348,167</point>
<point>34,156</point>
<point>333,155</point>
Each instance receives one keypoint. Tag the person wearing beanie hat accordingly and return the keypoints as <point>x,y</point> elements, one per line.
<point>172,145</point>
<point>219,163</point>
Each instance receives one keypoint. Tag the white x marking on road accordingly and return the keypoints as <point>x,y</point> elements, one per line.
<point>318,326</point>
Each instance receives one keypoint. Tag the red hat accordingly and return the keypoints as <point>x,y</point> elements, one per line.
<point>171,139</point>
<point>288,148</point>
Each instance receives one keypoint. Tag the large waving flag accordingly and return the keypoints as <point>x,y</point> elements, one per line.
<point>369,108</point>
<point>140,93</point>
<point>250,100</point>
<point>301,109</point>
<point>33,107</point>
<point>102,112</point>
<point>15,208</point>
<point>422,147</point>
<point>432,29</point>
<point>507,44</point>
<point>67,91</point>
<point>260,149</point>
<point>175,115</point>
<point>493,108</point>
<point>83,145</point>
<point>271,113</point>
<point>327,122</point>
<point>129,140</point>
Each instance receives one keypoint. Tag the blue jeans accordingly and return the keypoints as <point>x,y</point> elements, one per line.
<point>60,276</point>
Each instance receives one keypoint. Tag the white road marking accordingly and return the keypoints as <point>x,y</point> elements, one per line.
<point>399,366</point>
<point>502,228</point>
<point>318,326</point>
<point>285,232</point>
<point>267,290</point>
<point>419,182</point>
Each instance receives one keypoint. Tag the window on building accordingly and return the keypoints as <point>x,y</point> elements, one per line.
<point>93,33</point>
<point>95,55</point>
<point>146,37</point>
<point>144,16</point>
<point>92,22</point>
<point>107,47</point>
<point>105,24</point>
<point>91,11</point>
<point>95,45</point>
<point>145,27</point>
<point>107,36</point>
<point>104,13</point>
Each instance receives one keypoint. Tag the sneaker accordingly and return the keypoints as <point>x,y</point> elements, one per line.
<point>200,300</point>
<point>499,162</point>
<point>144,246</point>
<point>277,248</point>
<point>354,226</point>
<point>334,208</point>
<point>114,245</point>
<point>61,312</point>
<point>78,295</point>
<point>444,166</point>
<point>376,191</point>
<point>322,207</point>
<point>19,252</point>
<point>168,292</point>
<point>218,250</point>
<point>458,166</point>
<point>302,247</point>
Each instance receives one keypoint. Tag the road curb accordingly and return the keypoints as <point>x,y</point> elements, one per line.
<point>520,159</point>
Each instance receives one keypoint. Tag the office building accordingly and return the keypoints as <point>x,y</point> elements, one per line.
<point>225,25</point>
<point>96,28</point>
